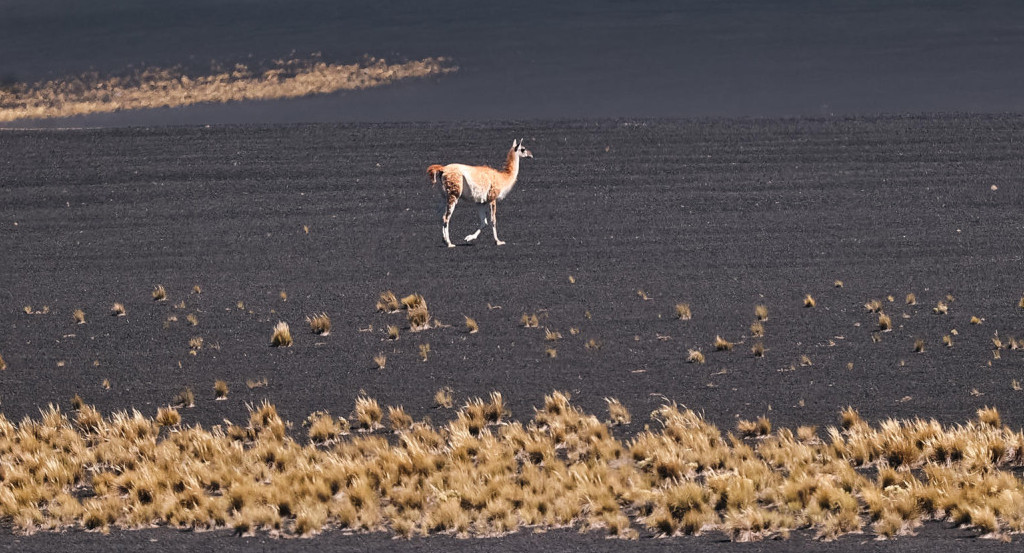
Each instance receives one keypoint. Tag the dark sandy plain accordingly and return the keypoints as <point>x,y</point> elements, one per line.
<point>723,214</point>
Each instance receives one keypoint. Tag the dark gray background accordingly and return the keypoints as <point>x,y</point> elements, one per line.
<point>529,60</point>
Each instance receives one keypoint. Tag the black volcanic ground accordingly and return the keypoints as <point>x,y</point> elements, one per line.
<point>721,214</point>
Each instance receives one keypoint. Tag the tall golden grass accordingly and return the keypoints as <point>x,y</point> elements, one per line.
<point>172,87</point>
<point>482,475</point>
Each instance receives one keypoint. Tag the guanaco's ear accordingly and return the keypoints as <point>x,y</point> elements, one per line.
<point>513,143</point>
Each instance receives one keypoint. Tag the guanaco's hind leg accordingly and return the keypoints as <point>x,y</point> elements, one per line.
<point>447,217</point>
<point>482,211</point>
<point>494,222</point>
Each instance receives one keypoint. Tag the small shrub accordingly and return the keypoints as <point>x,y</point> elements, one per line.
<point>282,335</point>
<point>159,293</point>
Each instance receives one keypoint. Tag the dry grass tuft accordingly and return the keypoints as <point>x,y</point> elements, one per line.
<point>551,335</point>
<point>117,310</point>
<point>918,346</point>
<point>761,312</point>
<point>884,322</point>
<point>380,360</point>
<point>79,316</point>
<point>529,321</point>
<point>761,427</point>
<point>392,332</point>
<point>683,312</point>
<point>159,293</point>
<point>319,324</point>
<point>185,398</point>
<point>911,299</point>
<point>947,341</point>
<point>838,284</point>
<point>282,335</point>
<point>721,344</point>
<point>941,308</point>
<point>220,390</point>
<point>471,325</point>
<point>975,320</point>
<point>153,87</point>
<point>873,306</point>
<point>617,412</point>
<point>805,361</point>
<point>758,349</point>
<point>756,329</point>
<point>399,419</point>
<point>424,351</point>
<point>551,352</point>
<point>168,416</point>
<point>989,416</point>
<point>416,312</point>
<point>192,319</point>
<point>809,301</point>
<point>694,356</point>
<point>388,302</point>
<point>368,413</point>
<point>444,398</point>
<point>196,342</point>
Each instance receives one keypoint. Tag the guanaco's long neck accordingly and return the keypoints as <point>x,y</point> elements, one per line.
<point>512,166</point>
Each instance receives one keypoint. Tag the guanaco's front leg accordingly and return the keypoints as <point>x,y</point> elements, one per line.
<point>447,217</point>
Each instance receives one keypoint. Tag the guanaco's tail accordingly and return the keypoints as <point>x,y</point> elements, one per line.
<point>433,171</point>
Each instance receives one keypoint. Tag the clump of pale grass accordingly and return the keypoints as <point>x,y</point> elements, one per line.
<point>117,310</point>
<point>380,360</point>
<point>530,321</point>
<point>168,416</point>
<point>941,308</point>
<point>220,390</point>
<point>683,312</point>
<point>159,293</point>
<point>282,335</point>
<point>809,301</point>
<point>761,312</point>
<point>617,412</point>
<point>721,344</point>
<point>79,316</point>
<point>884,322</point>
<point>443,398</point>
<point>694,356</point>
<point>368,413</point>
<point>319,324</point>
<point>911,299</point>
<point>388,302</point>
<point>471,325</point>
<point>185,398</point>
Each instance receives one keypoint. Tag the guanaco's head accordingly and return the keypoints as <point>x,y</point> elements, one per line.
<point>520,150</point>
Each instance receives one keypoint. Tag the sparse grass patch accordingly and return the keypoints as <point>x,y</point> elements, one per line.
<point>159,293</point>
<point>683,312</point>
<point>168,416</point>
<point>444,398</point>
<point>281,336</point>
<point>319,324</point>
<point>721,344</point>
<point>388,302</point>
<point>184,398</point>
<point>368,413</point>
<point>220,390</point>
<point>617,412</point>
<point>757,329</point>
<point>694,356</point>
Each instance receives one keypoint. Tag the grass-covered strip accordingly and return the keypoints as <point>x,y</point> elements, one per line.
<point>481,474</point>
<point>172,87</point>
